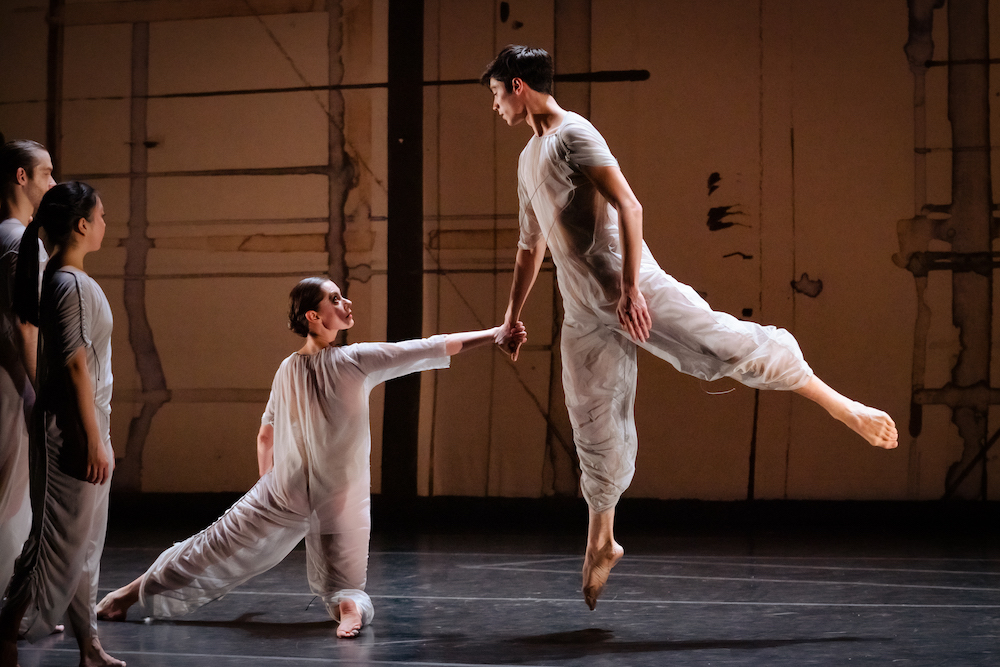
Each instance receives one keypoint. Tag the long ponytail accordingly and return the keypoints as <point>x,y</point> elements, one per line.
<point>61,208</point>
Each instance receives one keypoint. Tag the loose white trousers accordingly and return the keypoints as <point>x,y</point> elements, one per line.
<point>15,505</point>
<point>59,566</point>
<point>253,536</point>
<point>599,370</point>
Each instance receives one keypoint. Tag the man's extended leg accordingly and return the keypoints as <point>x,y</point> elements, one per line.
<point>710,344</point>
<point>599,376</point>
<point>871,424</point>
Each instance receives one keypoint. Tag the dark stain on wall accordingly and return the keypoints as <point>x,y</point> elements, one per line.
<point>717,217</point>
<point>713,182</point>
<point>805,285</point>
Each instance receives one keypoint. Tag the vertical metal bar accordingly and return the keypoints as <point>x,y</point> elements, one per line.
<point>972,292</point>
<point>341,171</point>
<point>54,85</point>
<point>128,477</point>
<point>405,283</point>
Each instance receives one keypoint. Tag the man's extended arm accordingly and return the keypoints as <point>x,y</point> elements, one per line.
<point>526,267</point>
<point>633,314</point>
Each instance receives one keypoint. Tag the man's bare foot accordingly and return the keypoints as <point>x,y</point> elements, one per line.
<point>92,655</point>
<point>115,605</point>
<point>597,566</point>
<point>350,619</point>
<point>873,425</point>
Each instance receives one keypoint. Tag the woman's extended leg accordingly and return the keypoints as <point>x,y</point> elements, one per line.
<point>253,536</point>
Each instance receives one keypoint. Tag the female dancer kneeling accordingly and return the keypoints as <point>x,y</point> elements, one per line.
<point>69,439</point>
<point>315,429</point>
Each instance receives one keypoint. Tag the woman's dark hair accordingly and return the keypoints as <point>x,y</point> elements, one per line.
<point>533,66</point>
<point>14,155</point>
<point>305,296</point>
<point>61,208</point>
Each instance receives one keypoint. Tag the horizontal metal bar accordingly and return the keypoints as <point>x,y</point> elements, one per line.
<point>921,263</point>
<point>963,61</point>
<point>319,169</point>
<point>958,397</point>
<point>546,268</point>
<point>149,11</point>
<point>603,76</point>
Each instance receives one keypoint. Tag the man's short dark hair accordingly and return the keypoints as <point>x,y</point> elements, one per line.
<point>533,66</point>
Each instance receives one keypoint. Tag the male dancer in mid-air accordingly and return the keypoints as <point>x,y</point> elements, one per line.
<point>575,201</point>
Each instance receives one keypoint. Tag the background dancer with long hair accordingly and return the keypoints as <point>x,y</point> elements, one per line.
<point>71,459</point>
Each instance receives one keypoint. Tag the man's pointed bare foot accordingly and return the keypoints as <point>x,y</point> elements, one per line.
<point>113,607</point>
<point>92,655</point>
<point>873,425</point>
<point>596,569</point>
<point>350,619</point>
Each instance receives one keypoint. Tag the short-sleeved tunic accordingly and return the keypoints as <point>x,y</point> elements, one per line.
<point>16,399</point>
<point>559,203</point>
<point>319,487</point>
<point>59,567</point>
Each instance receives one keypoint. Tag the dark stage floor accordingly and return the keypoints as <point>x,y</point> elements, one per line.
<point>715,595</point>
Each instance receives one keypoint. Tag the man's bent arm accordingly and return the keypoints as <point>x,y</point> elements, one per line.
<point>526,266</point>
<point>632,311</point>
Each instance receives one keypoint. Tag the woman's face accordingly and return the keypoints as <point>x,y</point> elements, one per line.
<point>93,230</point>
<point>334,310</point>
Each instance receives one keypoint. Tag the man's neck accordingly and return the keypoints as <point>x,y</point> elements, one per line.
<point>544,114</point>
<point>19,209</point>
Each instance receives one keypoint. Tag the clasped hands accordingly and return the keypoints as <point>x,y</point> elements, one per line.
<point>510,337</point>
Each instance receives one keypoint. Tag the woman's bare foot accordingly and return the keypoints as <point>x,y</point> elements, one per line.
<point>597,566</point>
<point>115,605</point>
<point>873,425</point>
<point>92,655</point>
<point>350,619</point>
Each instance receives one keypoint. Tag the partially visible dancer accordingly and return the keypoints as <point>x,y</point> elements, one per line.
<point>575,201</point>
<point>71,459</point>
<point>25,175</point>
<point>314,447</point>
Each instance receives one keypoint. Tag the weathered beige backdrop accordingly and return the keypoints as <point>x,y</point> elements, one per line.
<point>217,204</point>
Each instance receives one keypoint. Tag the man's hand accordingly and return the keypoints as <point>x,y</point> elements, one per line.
<point>510,338</point>
<point>633,314</point>
<point>99,468</point>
